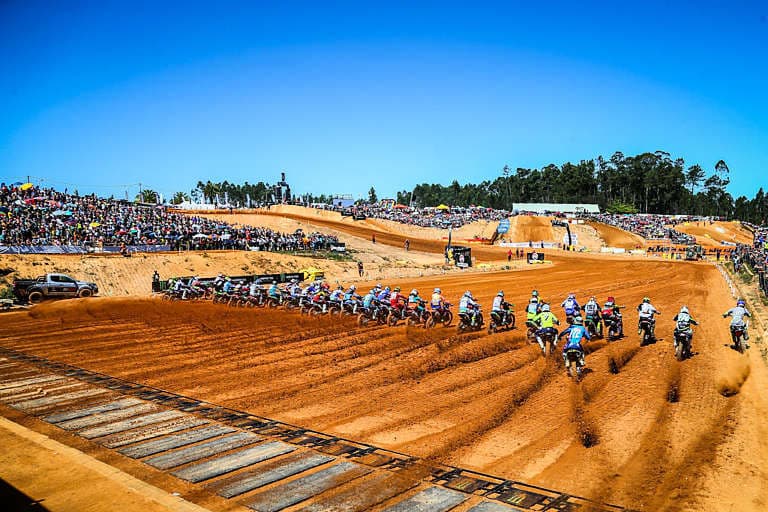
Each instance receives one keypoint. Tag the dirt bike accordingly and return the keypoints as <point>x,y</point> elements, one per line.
<point>465,322</point>
<point>350,307</point>
<point>569,314</point>
<point>419,316</point>
<point>612,326</point>
<point>274,301</point>
<point>397,314</point>
<point>501,320</point>
<point>737,335</point>
<point>646,332</point>
<point>573,364</point>
<point>590,322</point>
<point>549,337</point>
<point>375,313</point>
<point>334,307</point>
<point>682,345</point>
<point>532,328</point>
<point>443,316</point>
<point>292,302</point>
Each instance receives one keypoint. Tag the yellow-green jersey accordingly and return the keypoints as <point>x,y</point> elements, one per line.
<point>546,319</point>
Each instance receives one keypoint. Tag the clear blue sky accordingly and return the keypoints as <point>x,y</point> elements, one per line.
<point>345,96</point>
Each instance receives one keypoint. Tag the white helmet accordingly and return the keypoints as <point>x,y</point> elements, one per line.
<point>684,309</point>
<point>437,290</point>
<point>545,308</point>
<point>414,292</point>
<point>468,294</point>
<point>501,293</point>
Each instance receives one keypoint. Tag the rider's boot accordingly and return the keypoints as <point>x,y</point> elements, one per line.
<point>541,344</point>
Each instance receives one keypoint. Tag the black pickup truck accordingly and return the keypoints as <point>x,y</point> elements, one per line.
<point>52,286</point>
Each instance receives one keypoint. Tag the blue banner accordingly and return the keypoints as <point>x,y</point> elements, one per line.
<point>77,249</point>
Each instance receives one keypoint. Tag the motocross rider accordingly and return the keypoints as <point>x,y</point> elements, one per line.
<point>467,305</point>
<point>612,313</point>
<point>645,312</point>
<point>571,306</point>
<point>592,311</point>
<point>684,320</point>
<point>575,332</point>
<point>737,315</point>
<point>546,320</point>
<point>501,307</point>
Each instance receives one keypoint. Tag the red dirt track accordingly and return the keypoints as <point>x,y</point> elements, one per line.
<point>656,435</point>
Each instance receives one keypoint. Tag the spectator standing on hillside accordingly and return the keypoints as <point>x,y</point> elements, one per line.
<point>509,255</point>
<point>407,244</point>
<point>373,238</point>
<point>360,268</point>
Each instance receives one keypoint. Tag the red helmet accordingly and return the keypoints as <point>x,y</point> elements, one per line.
<point>611,299</point>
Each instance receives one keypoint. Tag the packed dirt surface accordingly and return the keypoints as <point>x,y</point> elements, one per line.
<point>642,429</point>
<point>714,234</point>
<point>617,237</point>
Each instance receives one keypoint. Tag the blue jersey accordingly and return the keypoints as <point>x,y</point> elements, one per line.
<point>575,334</point>
<point>383,296</point>
<point>368,300</point>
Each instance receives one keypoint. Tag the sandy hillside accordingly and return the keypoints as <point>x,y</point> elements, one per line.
<point>617,237</point>
<point>715,233</point>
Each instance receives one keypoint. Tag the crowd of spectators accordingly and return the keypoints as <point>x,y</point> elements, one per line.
<point>37,216</point>
<point>431,217</point>
<point>650,227</point>
<point>755,255</point>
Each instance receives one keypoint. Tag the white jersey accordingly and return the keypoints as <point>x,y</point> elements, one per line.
<point>591,308</point>
<point>646,310</point>
<point>497,301</point>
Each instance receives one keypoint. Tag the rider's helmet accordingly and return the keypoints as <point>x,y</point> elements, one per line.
<point>379,286</point>
<point>294,281</point>
<point>535,293</point>
<point>545,308</point>
<point>397,289</point>
<point>386,289</point>
<point>592,299</point>
<point>468,294</point>
<point>572,296</point>
<point>414,292</point>
<point>534,300</point>
<point>740,303</point>
<point>611,299</point>
<point>501,293</point>
<point>646,300</point>
<point>684,309</point>
<point>274,282</point>
<point>339,287</point>
<point>353,287</point>
<point>577,320</point>
<point>228,278</point>
<point>437,290</point>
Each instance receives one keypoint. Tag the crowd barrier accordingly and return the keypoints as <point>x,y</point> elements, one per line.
<point>78,249</point>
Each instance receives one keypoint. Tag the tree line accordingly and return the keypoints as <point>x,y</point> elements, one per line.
<point>644,183</point>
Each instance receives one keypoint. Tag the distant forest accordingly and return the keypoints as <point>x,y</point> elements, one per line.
<point>644,183</point>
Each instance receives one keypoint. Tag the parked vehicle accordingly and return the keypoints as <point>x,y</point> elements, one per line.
<point>52,286</point>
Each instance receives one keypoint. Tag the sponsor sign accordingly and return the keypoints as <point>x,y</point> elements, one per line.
<point>535,257</point>
<point>503,226</point>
